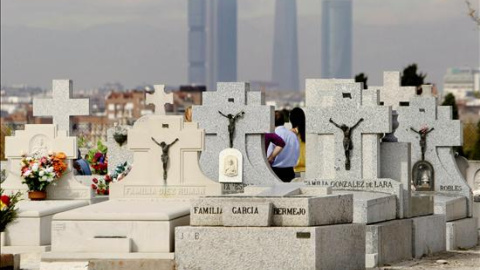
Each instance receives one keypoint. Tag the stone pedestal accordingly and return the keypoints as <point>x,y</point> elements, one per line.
<point>370,207</point>
<point>323,247</point>
<point>462,234</point>
<point>453,207</point>
<point>388,242</point>
<point>32,229</point>
<point>428,235</point>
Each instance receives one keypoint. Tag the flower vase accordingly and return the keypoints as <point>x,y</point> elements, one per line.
<point>37,195</point>
<point>120,138</point>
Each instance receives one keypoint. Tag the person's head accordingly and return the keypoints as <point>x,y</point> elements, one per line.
<point>162,144</point>
<point>279,118</point>
<point>297,118</point>
<point>188,114</point>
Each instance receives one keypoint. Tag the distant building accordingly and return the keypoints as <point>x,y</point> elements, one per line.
<point>212,42</point>
<point>336,43</point>
<point>124,107</point>
<point>461,82</point>
<point>285,46</point>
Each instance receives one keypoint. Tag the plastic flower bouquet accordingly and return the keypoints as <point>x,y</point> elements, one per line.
<point>39,172</point>
<point>102,185</point>
<point>98,159</point>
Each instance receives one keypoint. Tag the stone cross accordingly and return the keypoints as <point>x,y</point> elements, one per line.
<point>424,112</point>
<point>345,103</point>
<point>146,177</point>
<point>231,98</point>
<point>159,98</point>
<point>62,105</point>
<point>391,93</point>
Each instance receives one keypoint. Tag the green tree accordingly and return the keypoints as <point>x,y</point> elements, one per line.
<point>411,76</point>
<point>450,101</point>
<point>361,77</point>
<point>476,148</point>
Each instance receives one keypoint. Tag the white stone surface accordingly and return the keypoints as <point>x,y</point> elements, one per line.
<point>369,207</point>
<point>148,224</point>
<point>232,98</point>
<point>453,207</point>
<point>462,234</point>
<point>428,235</point>
<point>159,98</point>
<point>184,178</point>
<point>117,154</point>
<point>246,214</point>
<point>392,93</point>
<point>424,112</point>
<point>230,166</point>
<point>61,106</point>
<point>287,211</point>
<point>324,247</point>
<point>390,241</point>
<point>33,226</point>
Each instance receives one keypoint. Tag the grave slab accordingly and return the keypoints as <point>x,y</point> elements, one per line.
<point>128,220</point>
<point>369,207</point>
<point>243,214</point>
<point>462,234</point>
<point>428,235</point>
<point>323,247</point>
<point>388,242</point>
<point>287,211</point>
<point>453,207</point>
<point>32,229</point>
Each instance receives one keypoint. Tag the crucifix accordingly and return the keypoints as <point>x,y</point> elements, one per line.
<point>159,98</point>
<point>347,139</point>
<point>232,119</point>
<point>423,132</point>
<point>165,147</point>
<point>61,106</point>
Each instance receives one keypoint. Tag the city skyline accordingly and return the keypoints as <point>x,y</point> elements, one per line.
<point>145,42</point>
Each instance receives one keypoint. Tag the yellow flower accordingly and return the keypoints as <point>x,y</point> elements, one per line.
<point>2,206</point>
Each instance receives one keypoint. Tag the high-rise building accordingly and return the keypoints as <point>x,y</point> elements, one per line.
<point>212,41</point>
<point>461,82</point>
<point>336,57</point>
<point>285,48</point>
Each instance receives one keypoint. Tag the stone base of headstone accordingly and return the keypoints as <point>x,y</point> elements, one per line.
<point>31,231</point>
<point>9,261</point>
<point>369,207</point>
<point>421,205</point>
<point>284,211</point>
<point>119,227</point>
<point>107,261</point>
<point>323,247</point>
<point>453,207</point>
<point>428,235</point>
<point>388,242</point>
<point>476,214</point>
<point>462,234</point>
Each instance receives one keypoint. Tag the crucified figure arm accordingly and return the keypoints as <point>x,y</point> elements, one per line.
<point>333,122</point>
<point>223,114</point>
<point>359,121</point>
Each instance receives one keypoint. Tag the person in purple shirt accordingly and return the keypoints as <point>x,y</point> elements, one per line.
<point>277,141</point>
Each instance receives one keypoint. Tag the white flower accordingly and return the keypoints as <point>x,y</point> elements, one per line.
<point>43,178</point>
<point>35,167</point>
<point>41,173</point>
<point>49,169</point>
<point>27,173</point>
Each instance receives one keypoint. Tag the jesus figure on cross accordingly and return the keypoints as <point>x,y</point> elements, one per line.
<point>165,147</point>
<point>232,119</point>
<point>347,139</point>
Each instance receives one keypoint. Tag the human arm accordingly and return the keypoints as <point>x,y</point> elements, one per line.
<point>331,121</point>
<point>359,121</point>
<point>239,115</point>
<point>155,141</point>
<point>414,130</point>
<point>274,154</point>
<point>222,114</point>
<point>176,140</point>
<point>430,130</point>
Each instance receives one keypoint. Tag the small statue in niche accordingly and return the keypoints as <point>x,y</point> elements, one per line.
<point>347,139</point>
<point>232,119</point>
<point>423,176</point>
<point>40,148</point>
<point>165,147</point>
<point>423,132</point>
<point>231,166</point>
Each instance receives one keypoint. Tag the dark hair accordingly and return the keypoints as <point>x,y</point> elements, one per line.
<point>297,118</point>
<point>279,118</point>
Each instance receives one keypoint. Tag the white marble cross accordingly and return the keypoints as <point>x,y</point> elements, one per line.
<point>159,98</point>
<point>391,93</point>
<point>344,103</point>
<point>62,105</point>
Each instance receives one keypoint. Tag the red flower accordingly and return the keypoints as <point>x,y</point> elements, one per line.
<point>94,186</point>
<point>5,200</point>
<point>107,178</point>
<point>95,180</point>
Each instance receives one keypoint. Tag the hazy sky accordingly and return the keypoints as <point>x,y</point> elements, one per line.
<point>145,41</point>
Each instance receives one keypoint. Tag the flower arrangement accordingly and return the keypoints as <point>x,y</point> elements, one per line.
<point>39,172</point>
<point>102,185</point>
<point>8,212</point>
<point>120,134</point>
<point>97,158</point>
